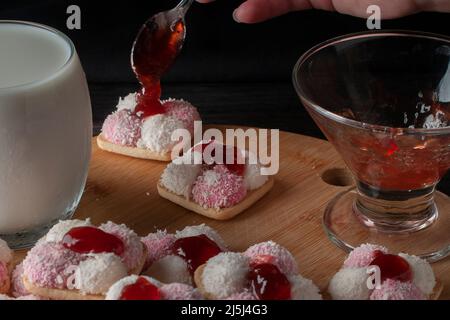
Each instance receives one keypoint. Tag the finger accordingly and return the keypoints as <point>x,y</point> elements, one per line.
<point>434,5</point>
<point>389,8</point>
<point>253,11</point>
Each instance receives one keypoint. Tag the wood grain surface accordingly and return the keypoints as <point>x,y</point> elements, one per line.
<point>123,190</point>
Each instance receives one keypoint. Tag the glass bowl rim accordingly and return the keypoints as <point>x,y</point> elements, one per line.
<point>62,67</point>
<point>362,35</point>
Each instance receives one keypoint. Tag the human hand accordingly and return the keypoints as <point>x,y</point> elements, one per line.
<point>253,11</point>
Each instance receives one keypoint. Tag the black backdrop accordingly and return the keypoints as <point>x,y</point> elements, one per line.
<point>234,73</point>
<point>217,48</point>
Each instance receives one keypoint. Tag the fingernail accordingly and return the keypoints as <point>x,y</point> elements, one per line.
<point>235,16</point>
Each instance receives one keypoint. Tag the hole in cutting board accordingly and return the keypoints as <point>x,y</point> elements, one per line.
<point>338,177</point>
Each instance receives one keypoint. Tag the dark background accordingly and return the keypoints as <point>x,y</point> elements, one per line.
<point>234,73</point>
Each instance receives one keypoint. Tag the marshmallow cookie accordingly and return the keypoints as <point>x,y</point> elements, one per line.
<point>265,271</point>
<point>218,191</point>
<point>174,258</point>
<point>146,133</point>
<point>29,297</point>
<point>146,288</point>
<point>78,261</point>
<point>5,267</point>
<point>402,277</point>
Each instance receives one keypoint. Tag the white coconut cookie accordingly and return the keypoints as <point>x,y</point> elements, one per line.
<point>173,258</point>
<point>265,271</point>
<point>78,261</point>
<point>218,191</point>
<point>147,288</point>
<point>402,277</point>
<point>134,134</point>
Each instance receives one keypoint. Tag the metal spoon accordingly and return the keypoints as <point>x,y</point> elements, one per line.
<point>159,42</point>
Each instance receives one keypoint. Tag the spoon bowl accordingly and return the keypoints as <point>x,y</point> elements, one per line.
<point>158,43</point>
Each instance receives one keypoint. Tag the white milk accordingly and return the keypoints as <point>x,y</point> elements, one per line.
<point>45,127</point>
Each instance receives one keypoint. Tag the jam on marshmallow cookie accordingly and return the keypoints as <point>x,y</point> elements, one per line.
<point>146,132</point>
<point>146,288</point>
<point>173,258</point>
<point>217,191</point>
<point>5,267</point>
<point>403,277</point>
<point>266,271</point>
<point>78,261</point>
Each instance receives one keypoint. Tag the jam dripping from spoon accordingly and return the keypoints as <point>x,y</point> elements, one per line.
<point>155,49</point>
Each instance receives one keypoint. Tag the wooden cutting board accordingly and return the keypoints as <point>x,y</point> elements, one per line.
<point>123,190</point>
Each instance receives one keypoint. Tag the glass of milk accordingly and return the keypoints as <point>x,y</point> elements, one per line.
<point>45,130</point>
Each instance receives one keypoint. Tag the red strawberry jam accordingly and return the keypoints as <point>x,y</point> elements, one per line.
<point>142,289</point>
<point>92,240</point>
<point>234,167</point>
<point>269,283</point>
<point>148,103</point>
<point>390,145</point>
<point>196,250</point>
<point>392,267</point>
<point>154,51</point>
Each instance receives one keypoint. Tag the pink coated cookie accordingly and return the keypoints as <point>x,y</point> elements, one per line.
<point>219,188</point>
<point>183,111</point>
<point>273,253</point>
<point>123,128</point>
<point>133,253</point>
<point>244,295</point>
<point>158,246</point>
<point>363,255</point>
<point>397,290</point>
<point>27,297</point>
<point>50,264</point>
<point>402,277</point>
<point>179,291</point>
<point>4,274</point>
<point>30,297</point>
<point>18,289</point>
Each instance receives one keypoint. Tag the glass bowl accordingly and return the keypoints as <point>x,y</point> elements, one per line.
<point>383,100</point>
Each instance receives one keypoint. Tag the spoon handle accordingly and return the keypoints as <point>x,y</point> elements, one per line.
<point>185,5</point>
